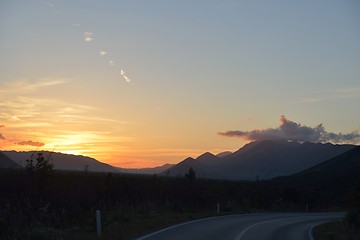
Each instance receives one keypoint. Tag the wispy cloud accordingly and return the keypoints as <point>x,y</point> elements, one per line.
<point>88,36</point>
<point>111,63</point>
<point>123,74</point>
<point>61,125</point>
<point>31,143</point>
<point>292,131</point>
<point>102,53</point>
<point>25,85</point>
<point>49,4</point>
<point>334,94</point>
<point>2,136</point>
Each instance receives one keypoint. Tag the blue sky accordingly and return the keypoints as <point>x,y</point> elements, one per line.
<point>142,83</point>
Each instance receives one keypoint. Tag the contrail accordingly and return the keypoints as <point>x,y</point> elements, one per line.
<point>88,37</point>
<point>122,72</point>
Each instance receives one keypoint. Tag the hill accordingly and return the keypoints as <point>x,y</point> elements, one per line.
<point>262,159</point>
<point>327,182</point>
<point>341,170</point>
<point>63,161</point>
<point>6,162</point>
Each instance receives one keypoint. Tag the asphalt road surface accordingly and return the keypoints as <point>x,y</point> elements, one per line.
<point>259,226</point>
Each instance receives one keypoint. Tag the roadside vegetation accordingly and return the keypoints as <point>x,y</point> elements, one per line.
<point>340,230</point>
<point>349,228</point>
<point>41,203</point>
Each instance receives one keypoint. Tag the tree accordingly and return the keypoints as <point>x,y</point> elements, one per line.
<point>191,175</point>
<point>42,165</point>
<point>30,164</point>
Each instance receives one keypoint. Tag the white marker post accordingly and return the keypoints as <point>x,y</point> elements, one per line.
<point>98,223</point>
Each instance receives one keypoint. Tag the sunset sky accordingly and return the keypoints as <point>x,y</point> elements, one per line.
<point>142,83</point>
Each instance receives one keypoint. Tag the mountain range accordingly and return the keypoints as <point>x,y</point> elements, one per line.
<point>256,160</point>
<point>260,159</point>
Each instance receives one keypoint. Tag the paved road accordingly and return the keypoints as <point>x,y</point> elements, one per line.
<point>264,226</point>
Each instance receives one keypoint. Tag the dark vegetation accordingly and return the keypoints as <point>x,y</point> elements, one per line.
<point>41,203</point>
<point>347,229</point>
<point>38,206</point>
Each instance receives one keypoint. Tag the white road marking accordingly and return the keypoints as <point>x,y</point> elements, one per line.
<point>243,232</point>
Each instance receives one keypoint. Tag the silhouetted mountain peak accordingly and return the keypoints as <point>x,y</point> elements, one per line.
<point>223,154</point>
<point>187,160</point>
<point>206,155</point>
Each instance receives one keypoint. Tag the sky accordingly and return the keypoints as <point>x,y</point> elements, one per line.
<point>142,83</point>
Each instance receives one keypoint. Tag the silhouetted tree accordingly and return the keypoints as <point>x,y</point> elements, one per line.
<point>30,165</point>
<point>191,175</point>
<point>43,165</point>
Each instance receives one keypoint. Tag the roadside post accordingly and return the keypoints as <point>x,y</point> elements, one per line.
<point>98,223</point>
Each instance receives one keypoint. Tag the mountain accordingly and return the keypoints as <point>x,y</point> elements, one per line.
<point>183,167</point>
<point>6,162</point>
<point>223,154</point>
<point>329,181</point>
<point>269,159</point>
<point>209,159</point>
<point>63,161</point>
<point>202,165</point>
<point>263,159</point>
<point>154,170</point>
<point>342,169</point>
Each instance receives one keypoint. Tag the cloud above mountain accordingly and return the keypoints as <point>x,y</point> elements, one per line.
<point>293,131</point>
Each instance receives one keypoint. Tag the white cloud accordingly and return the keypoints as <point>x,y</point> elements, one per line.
<point>289,130</point>
<point>102,53</point>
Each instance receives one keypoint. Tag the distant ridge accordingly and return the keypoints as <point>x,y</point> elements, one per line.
<point>263,159</point>
<point>63,161</point>
<point>154,170</point>
<point>6,162</point>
